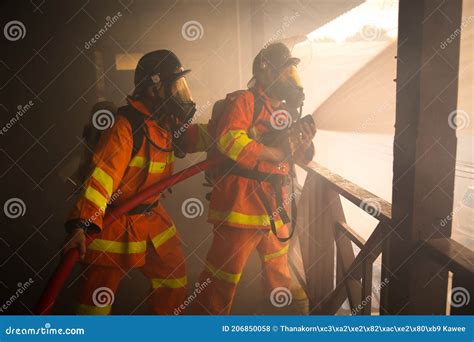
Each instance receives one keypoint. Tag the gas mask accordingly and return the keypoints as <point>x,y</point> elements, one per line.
<point>175,108</point>
<point>180,103</point>
<point>174,105</point>
<point>287,87</point>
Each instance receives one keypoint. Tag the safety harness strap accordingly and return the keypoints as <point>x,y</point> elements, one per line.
<point>139,209</point>
<point>137,123</point>
<point>139,129</point>
<point>282,212</point>
<point>277,181</point>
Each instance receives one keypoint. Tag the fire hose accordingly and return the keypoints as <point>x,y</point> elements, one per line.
<point>62,271</point>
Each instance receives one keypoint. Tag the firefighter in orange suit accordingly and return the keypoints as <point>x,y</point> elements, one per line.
<point>237,206</point>
<point>146,237</point>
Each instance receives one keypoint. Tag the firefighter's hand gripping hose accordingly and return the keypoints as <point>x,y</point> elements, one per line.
<point>61,273</point>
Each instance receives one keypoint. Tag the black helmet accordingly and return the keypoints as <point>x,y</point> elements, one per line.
<point>276,56</point>
<point>157,66</point>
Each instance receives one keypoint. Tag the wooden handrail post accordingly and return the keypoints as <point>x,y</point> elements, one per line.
<point>424,154</point>
<point>367,287</point>
<point>316,218</point>
<point>345,257</point>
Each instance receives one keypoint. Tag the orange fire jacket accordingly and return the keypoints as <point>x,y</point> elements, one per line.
<point>235,200</point>
<point>115,177</point>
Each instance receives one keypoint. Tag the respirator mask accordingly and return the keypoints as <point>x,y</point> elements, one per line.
<point>175,109</point>
<point>174,105</point>
<point>179,104</point>
<point>287,87</point>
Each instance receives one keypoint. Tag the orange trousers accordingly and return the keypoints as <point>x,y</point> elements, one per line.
<point>166,272</point>
<point>227,257</point>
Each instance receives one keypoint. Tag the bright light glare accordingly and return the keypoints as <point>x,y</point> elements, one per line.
<point>372,20</point>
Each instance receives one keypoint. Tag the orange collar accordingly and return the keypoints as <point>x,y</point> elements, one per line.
<point>138,105</point>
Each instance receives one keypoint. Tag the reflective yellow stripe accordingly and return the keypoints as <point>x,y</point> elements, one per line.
<point>83,309</point>
<point>154,166</point>
<point>164,236</point>
<point>277,228</point>
<point>118,247</point>
<point>169,283</point>
<point>299,293</point>
<point>271,256</point>
<point>236,140</point>
<point>157,167</point>
<point>104,179</point>
<point>232,278</point>
<point>96,197</point>
<point>239,218</point>
<point>137,161</point>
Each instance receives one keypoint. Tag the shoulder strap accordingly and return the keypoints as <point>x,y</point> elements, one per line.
<point>257,105</point>
<point>137,122</point>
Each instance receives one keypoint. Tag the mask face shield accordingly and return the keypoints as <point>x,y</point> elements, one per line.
<point>177,105</point>
<point>180,90</point>
<point>290,75</point>
<point>288,87</point>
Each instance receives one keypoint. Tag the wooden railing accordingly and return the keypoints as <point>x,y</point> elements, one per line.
<point>326,242</point>
<point>459,260</point>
